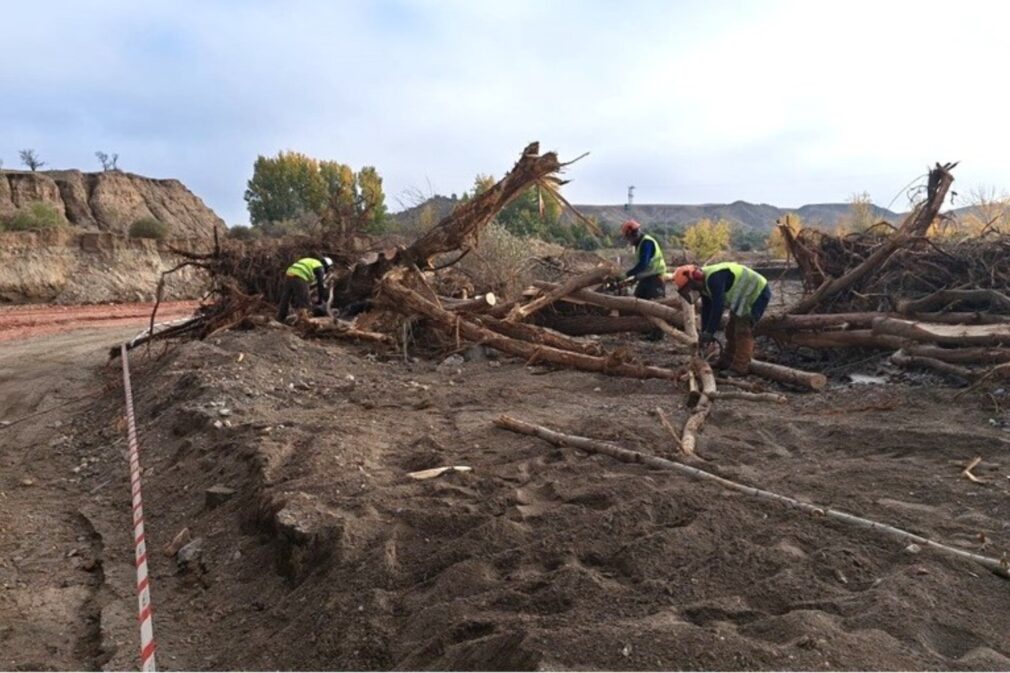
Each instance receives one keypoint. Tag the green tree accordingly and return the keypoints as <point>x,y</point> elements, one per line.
<point>705,238</point>
<point>285,187</point>
<point>373,199</point>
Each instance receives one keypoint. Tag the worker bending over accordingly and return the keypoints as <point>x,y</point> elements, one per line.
<point>298,279</point>
<point>744,291</point>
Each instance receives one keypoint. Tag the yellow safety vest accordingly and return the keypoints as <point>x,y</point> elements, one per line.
<point>305,268</point>
<point>747,286</point>
<point>657,266</point>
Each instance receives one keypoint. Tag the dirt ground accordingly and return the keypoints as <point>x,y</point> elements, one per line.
<point>327,556</point>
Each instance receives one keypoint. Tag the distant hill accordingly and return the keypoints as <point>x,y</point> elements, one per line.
<point>757,217</point>
<point>750,216</point>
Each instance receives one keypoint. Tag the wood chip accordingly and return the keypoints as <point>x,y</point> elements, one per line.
<point>966,472</point>
<point>438,471</point>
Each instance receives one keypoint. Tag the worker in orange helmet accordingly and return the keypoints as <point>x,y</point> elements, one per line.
<point>649,271</point>
<point>743,290</point>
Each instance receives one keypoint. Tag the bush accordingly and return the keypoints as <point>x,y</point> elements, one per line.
<point>706,238</point>
<point>37,215</point>
<point>148,227</point>
<point>500,263</point>
<point>241,232</point>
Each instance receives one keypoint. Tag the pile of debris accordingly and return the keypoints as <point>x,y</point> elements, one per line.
<point>936,305</point>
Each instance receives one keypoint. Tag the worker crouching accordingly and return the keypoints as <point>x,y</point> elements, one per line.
<point>727,285</point>
<point>297,291</point>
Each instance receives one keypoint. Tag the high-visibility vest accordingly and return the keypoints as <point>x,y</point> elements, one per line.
<point>305,269</point>
<point>747,286</point>
<point>657,266</point>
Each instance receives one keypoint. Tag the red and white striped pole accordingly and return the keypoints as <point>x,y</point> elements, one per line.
<point>147,645</point>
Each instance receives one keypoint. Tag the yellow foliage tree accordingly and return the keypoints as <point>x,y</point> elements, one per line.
<point>705,238</point>
<point>776,243</point>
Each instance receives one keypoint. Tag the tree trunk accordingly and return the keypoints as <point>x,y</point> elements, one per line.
<point>582,325</point>
<point>837,339</point>
<point>945,298</point>
<point>793,377</point>
<point>960,355</point>
<point>960,335</point>
<point>539,335</point>
<point>479,304</point>
<point>853,321</point>
<point>624,304</point>
<point>906,361</point>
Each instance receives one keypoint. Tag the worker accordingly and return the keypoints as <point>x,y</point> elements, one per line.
<point>297,284</point>
<point>650,270</point>
<point>651,265</point>
<point>743,290</point>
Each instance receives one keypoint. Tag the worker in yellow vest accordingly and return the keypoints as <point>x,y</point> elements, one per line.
<point>650,269</point>
<point>298,279</point>
<point>744,291</point>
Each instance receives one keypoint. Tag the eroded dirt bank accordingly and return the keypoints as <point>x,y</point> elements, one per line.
<point>327,556</point>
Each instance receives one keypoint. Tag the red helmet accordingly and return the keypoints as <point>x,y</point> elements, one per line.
<point>630,227</point>
<point>682,274</point>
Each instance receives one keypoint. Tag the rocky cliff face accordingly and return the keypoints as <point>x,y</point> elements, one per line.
<point>110,201</point>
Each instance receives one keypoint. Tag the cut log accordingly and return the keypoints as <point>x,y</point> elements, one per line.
<point>328,327</point>
<point>960,355</point>
<point>837,339</point>
<point>690,319</point>
<point>774,398</point>
<point>789,376</point>
<point>405,300</point>
<point>479,304</point>
<point>960,335</point>
<point>582,325</point>
<point>702,406</point>
<point>947,298</point>
<point>675,334</point>
<point>855,321</point>
<point>916,225</point>
<point>594,277</point>
<point>623,304</point>
<point>997,566</point>
<point>539,335</point>
<point>906,361</point>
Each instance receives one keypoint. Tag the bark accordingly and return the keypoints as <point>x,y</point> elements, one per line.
<point>994,565</point>
<point>914,226</point>
<point>852,321</point>
<point>960,335</point>
<point>749,397</point>
<point>702,407</point>
<point>328,327</point>
<point>946,298</point>
<point>401,298</point>
<point>594,277</point>
<point>581,325</point>
<point>906,361</point>
<point>789,376</point>
<point>690,319</point>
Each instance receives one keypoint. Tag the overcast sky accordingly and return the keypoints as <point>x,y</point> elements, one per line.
<point>776,102</point>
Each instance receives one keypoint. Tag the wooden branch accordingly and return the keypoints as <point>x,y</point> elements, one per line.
<point>996,566</point>
<point>665,422</point>
<point>690,319</point>
<point>479,304</point>
<point>946,298</point>
<point>775,398</point>
<point>915,225</point>
<point>853,321</point>
<point>702,406</point>
<point>793,377</point>
<point>906,361</point>
<point>671,332</point>
<point>329,327</point>
<point>837,339</point>
<point>624,304</point>
<point>960,335</point>
<point>742,384</point>
<point>405,300</point>
<point>594,277</point>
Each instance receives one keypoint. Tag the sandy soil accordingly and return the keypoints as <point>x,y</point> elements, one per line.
<point>328,556</point>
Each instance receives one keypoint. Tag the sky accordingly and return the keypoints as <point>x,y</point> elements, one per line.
<point>689,101</point>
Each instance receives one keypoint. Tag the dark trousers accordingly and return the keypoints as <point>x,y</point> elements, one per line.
<point>651,288</point>
<point>294,294</point>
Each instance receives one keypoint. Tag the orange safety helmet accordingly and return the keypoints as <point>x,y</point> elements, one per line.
<point>630,227</point>
<point>688,272</point>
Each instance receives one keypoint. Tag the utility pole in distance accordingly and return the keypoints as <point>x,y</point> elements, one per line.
<point>631,198</point>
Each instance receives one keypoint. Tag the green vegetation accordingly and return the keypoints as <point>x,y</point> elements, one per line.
<point>293,187</point>
<point>35,216</point>
<point>148,227</point>
<point>705,238</point>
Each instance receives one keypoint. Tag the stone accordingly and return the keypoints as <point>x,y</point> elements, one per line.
<point>913,549</point>
<point>190,554</point>
<point>451,362</point>
<point>181,539</point>
<point>217,495</point>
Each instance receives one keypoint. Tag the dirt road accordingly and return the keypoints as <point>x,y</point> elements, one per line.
<point>24,321</point>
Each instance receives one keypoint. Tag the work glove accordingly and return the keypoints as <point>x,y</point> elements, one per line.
<point>706,339</point>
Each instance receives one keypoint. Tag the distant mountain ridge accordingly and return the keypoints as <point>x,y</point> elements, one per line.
<point>750,216</point>
<point>758,217</point>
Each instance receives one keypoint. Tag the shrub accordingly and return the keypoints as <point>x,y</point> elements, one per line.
<point>148,227</point>
<point>500,263</point>
<point>37,215</point>
<point>241,232</point>
<point>706,238</point>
